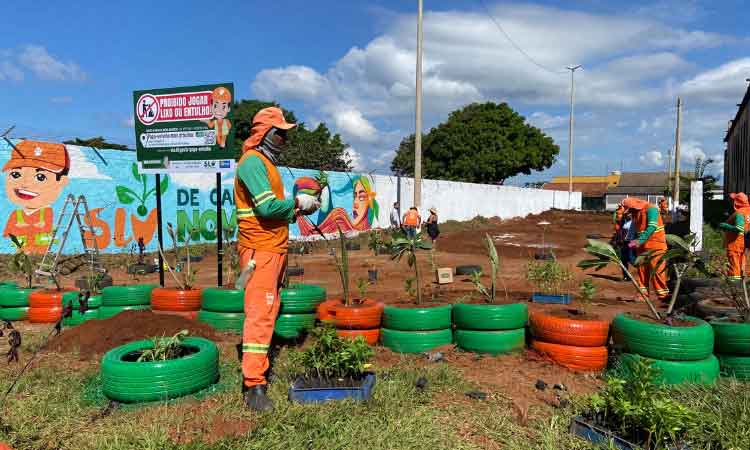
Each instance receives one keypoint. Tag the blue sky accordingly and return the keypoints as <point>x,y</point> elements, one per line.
<point>69,69</point>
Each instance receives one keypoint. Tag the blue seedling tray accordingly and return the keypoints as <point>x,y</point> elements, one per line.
<point>563,299</point>
<point>586,430</point>
<point>321,395</point>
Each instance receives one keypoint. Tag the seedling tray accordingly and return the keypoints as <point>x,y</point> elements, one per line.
<point>586,430</point>
<point>363,392</point>
<point>563,299</point>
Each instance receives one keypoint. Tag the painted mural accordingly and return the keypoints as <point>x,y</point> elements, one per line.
<point>38,176</point>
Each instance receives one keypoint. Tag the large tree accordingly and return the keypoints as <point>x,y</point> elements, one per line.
<point>308,149</point>
<point>96,142</point>
<point>481,143</point>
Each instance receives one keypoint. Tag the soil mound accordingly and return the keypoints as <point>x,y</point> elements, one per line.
<point>96,337</point>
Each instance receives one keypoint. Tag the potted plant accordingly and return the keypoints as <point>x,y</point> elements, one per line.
<point>183,300</point>
<point>334,368</point>
<point>490,327</point>
<point>140,267</point>
<point>550,280</point>
<point>224,307</point>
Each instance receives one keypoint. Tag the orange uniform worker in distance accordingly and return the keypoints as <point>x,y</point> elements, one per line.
<point>220,106</point>
<point>263,218</point>
<point>651,238</point>
<point>617,218</point>
<point>735,228</point>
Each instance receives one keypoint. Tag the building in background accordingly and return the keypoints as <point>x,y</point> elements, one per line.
<point>593,189</point>
<point>737,153</point>
<point>646,185</point>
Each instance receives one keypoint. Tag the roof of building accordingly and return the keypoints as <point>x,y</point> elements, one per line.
<point>740,109</point>
<point>586,189</point>
<point>641,183</point>
<point>612,179</point>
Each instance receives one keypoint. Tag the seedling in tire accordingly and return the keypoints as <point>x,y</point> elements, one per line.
<point>587,290</point>
<point>401,246</point>
<point>186,281</point>
<point>164,348</point>
<point>490,294</point>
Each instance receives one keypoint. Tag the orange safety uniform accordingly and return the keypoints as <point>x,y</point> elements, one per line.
<point>735,228</point>
<point>222,127</point>
<point>411,218</point>
<point>34,230</point>
<point>617,218</point>
<point>651,238</point>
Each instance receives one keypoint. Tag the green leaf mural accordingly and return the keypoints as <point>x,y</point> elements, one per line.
<point>127,195</point>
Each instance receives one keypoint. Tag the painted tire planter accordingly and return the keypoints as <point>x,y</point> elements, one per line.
<point>664,342</point>
<point>46,298</point>
<point>417,319</point>
<point>167,299</point>
<point>735,366</point>
<point>44,315</point>
<point>492,342</point>
<point>105,312</point>
<point>301,298</point>
<point>704,371</point>
<point>14,313</point>
<point>371,336</point>
<point>77,318</point>
<point>189,315</point>
<point>13,297</point>
<point>364,316</point>
<point>565,331</point>
<point>415,341</point>
<point>94,302</point>
<point>223,321</point>
<point>138,294</point>
<point>323,311</point>
<point>223,300</point>
<point>580,359</point>
<point>292,326</point>
<point>731,338</point>
<point>490,317</point>
<point>128,381</point>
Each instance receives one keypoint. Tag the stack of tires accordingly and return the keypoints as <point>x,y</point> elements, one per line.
<point>491,329</point>
<point>297,312</point>
<point>683,354</point>
<point>14,302</point>
<point>416,330</point>
<point>579,345</point>
<point>177,302</point>
<point>76,317</point>
<point>223,309</point>
<point>45,306</point>
<point>360,319</point>
<point>116,299</point>
<point>732,347</point>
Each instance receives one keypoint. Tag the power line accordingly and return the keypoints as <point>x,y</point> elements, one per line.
<point>513,43</point>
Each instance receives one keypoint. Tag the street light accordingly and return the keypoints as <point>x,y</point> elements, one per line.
<point>570,130</point>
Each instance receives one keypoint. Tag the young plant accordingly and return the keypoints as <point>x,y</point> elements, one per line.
<point>604,255</point>
<point>165,348</point>
<point>405,246</point>
<point>187,277</point>
<point>22,262</point>
<point>342,265</point>
<point>548,277</point>
<point>586,290</point>
<point>231,258</point>
<point>362,286</point>
<point>375,241</point>
<point>334,357</point>
<point>490,294</point>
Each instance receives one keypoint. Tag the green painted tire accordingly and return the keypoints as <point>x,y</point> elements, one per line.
<point>8,284</point>
<point>131,382</point>
<point>137,294</point>
<point>95,301</point>
<point>414,341</point>
<point>731,338</point>
<point>417,319</point>
<point>77,318</point>
<point>291,326</point>
<point>703,371</point>
<point>663,342</point>
<point>14,313</point>
<point>301,298</point>
<point>490,317</point>
<point>14,297</point>
<point>735,366</point>
<point>223,321</point>
<point>492,342</point>
<point>105,312</point>
<point>468,269</point>
<point>223,300</point>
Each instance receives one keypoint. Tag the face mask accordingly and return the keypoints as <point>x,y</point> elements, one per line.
<point>273,143</point>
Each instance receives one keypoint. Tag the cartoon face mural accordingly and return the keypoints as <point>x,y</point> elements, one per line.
<point>220,106</point>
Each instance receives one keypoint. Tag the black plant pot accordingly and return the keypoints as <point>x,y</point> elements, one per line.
<point>372,275</point>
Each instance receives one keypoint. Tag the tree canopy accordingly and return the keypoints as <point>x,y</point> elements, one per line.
<point>96,142</point>
<point>481,143</point>
<point>308,149</point>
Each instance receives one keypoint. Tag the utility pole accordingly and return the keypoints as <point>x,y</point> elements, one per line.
<point>418,118</point>
<point>570,130</point>
<point>676,190</point>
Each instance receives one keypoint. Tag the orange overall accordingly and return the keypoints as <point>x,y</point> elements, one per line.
<point>735,229</point>
<point>222,127</point>
<point>651,238</point>
<point>617,218</point>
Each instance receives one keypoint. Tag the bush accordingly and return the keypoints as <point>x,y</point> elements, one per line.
<point>332,356</point>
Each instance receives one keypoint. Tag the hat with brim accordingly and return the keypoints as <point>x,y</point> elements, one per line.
<point>264,120</point>
<point>40,155</point>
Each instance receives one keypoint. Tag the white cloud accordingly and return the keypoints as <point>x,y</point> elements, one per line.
<point>546,121</point>
<point>46,67</point>
<point>354,158</point>
<point>653,159</point>
<point>9,71</point>
<point>723,84</point>
<point>292,81</point>
<point>81,166</point>
<point>353,125</point>
<point>61,99</point>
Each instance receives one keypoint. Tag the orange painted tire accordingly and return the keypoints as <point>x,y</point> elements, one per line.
<point>357,317</point>
<point>46,298</point>
<point>45,315</point>
<point>560,330</point>
<point>323,312</point>
<point>371,336</point>
<point>580,359</point>
<point>190,315</point>
<point>170,299</point>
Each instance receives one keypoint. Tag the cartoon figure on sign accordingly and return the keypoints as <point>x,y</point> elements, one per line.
<point>220,109</point>
<point>37,172</point>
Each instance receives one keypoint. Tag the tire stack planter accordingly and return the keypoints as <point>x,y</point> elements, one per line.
<point>361,319</point>
<point>579,345</point>
<point>488,328</point>
<point>45,306</point>
<point>177,302</point>
<point>732,347</point>
<point>14,302</point>
<point>76,318</point>
<point>416,330</point>
<point>223,309</point>
<point>116,299</point>
<point>682,353</point>
<point>297,312</point>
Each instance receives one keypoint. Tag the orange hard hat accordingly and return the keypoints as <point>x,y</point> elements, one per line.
<point>634,203</point>
<point>221,94</point>
<point>264,120</point>
<point>40,155</point>
<point>740,200</point>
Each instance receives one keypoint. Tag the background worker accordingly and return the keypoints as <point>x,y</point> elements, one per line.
<point>617,219</point>
<point>395,217</point>
<point>263,218</point>
<point>411,221</point>
<point>735,228</point>
<point>663,207</point>
<point>650,238</point>
<point>432,225</point>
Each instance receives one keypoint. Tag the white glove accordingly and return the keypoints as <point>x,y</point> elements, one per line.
<point>307,204</point>
<point>245,276</point>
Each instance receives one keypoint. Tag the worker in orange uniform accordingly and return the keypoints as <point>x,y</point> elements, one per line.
<point>263,218</point>
<point>651,238</point>
<point>735,228</point>
<point>411,221</point>
<point>220,106</point>
<point>617,218</point>
<point>663,206</point>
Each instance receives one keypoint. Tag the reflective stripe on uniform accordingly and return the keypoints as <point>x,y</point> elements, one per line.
<point>246,212</point>
<point>263,197</point>
<point>255,348</point>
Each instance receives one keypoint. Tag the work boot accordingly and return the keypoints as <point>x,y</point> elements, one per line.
<point>257,399</point>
